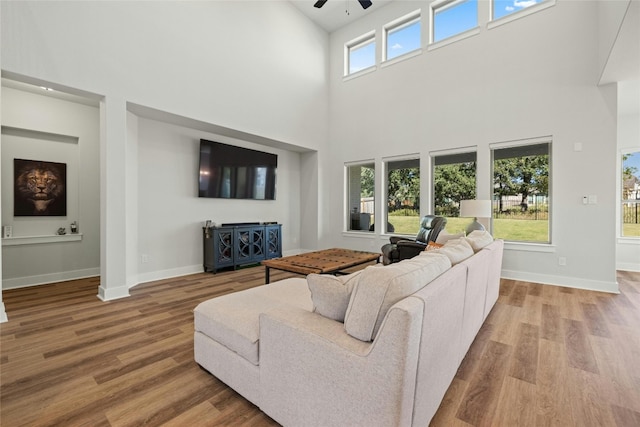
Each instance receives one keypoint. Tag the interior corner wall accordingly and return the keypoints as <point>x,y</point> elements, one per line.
<point>31,114</point>
<point>610,17</point>
<point>170,213</point>
<point>310,211</point>
<point>508,83</point>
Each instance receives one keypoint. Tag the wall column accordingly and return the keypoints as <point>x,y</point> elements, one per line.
<point>113,208</point>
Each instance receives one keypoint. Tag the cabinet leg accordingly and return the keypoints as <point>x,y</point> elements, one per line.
<point>266,275</point>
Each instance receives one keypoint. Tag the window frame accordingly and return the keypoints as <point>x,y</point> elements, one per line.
<point>398,25</point>
<point>621,201</point>
<point>355,44</point>
<point>347,194</point>
<point>513,16</point>
<point>523,143</point>
<point>457,152</point>
<point>442,5</point>
<point>385,193</point>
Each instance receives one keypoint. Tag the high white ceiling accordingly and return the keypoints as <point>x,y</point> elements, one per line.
<point>336,14</point>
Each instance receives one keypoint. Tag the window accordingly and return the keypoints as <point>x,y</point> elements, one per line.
<point>360,54</point>
<point>502,8</point>
<point>452,17</point>
<point>631,194</point>
<point>521,199</point>
<point>402,36</point>
<point>454,179</point>
<point>403,196</point>
<point>360,196</point>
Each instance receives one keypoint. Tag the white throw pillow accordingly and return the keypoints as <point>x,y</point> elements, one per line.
<point>457,250</point>
<point>444,237</point>
<point>478,239</point>
<point>380,288</point>
<point>330,294</point>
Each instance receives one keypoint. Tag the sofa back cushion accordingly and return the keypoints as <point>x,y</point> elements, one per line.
<point>331,294</point>
<point>457,250</point>
<point>478,239</point>
<point>379,288</point>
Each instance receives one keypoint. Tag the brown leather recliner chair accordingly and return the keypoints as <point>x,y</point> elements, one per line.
<point>401,248</point>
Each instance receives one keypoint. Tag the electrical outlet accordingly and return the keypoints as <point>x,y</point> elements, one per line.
<point>562,261</point>
<point>144,258</point>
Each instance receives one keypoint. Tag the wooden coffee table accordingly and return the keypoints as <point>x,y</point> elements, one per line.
<point>327,261</point>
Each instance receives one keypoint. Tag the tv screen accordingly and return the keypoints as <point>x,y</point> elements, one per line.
<point>230,172</point>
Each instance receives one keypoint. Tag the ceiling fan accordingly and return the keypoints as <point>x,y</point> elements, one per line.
<point>364,3</point>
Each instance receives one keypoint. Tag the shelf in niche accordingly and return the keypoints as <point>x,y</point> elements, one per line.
<point>37,240</point>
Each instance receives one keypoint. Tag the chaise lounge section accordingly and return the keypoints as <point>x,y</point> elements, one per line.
<point>377,347</point>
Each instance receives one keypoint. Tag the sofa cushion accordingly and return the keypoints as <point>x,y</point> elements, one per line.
<point>233,319</point>
<point>457,250</point>
<point>478,239</point>
<point>444,237</point>
<point>380,288</point>
<point>331,294</point>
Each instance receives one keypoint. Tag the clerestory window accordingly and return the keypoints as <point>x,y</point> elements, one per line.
<point>360,54</point>
<point>402,36</point>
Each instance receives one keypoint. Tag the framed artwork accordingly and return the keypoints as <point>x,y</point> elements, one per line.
<point>40,188</point>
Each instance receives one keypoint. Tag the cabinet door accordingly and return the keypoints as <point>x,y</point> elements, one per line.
<point>274,241</point>
<point>223,247</point>
<point>249,245</point>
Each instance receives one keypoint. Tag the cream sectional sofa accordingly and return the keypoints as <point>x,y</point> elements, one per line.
<point>375,348</point>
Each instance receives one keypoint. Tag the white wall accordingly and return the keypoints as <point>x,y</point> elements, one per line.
<point>36,123</point>
<point>259,68</point>
<point>532,77</point>
<point>170,213</point>
<point>256,66</point>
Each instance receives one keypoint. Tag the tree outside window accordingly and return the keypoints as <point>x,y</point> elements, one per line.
<point>361,200</point>
<point>403,196</point>
<point>521,193</point>
<point>454,179</point>
<point>631,194</point>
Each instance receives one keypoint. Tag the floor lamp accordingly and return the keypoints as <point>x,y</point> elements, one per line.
<point>476,209</point>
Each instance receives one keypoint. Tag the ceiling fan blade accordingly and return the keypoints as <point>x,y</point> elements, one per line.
<point>364,3</point>
<point>321,3</point>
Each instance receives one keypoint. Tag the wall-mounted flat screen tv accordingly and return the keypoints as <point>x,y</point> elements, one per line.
<point>230,172</point>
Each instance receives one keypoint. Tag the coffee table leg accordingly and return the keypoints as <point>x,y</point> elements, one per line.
<point>266,275</point>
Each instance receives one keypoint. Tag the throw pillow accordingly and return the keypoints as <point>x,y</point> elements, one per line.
<point>444,237</point>
<point>380,288</point>
<point>330,294</point>
<point>478,239</point>
<point>432,245</point>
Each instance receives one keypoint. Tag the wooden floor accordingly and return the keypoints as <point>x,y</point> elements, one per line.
<point>546,356</point>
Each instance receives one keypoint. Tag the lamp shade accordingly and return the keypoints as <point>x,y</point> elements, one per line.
<point>475,208</point>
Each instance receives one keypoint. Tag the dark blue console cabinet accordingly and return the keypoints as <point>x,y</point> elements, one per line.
<point>232,245</point>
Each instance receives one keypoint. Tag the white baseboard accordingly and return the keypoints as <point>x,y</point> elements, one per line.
<point>108,294</point>
<point>628,266</point>
<point>167,274</point>
<point>570,282</point>
<point>3,313</point>
<point>43,279</point>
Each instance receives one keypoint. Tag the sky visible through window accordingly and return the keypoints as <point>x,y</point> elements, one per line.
<point>633,161</point>
<point>362,57</point>
<point>403,40</point>
<point>449,21</point>
<point>506,7</point>
<point>455,19</point>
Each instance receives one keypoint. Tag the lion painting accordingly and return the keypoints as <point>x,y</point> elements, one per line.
<point>40,188</point>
